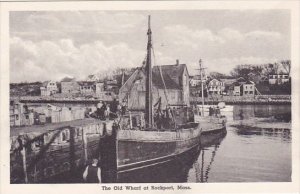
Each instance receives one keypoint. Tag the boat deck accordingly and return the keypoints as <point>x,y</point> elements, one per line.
<point>208,123</point>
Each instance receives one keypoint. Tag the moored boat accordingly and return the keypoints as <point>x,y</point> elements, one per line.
<point>146,138</point>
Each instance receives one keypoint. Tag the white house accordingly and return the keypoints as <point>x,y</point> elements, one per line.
<point>48,88</point>
<point>278,78</point>
<point>215,87</point>
<point>248,88</point>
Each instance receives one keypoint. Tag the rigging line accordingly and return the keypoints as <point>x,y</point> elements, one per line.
<point>142,67</point>
<point>161,75</point>
<point>165,87</point>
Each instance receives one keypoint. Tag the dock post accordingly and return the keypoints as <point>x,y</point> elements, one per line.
<point>84,141</point>
<point>23,153</point>
<point>130,120</point>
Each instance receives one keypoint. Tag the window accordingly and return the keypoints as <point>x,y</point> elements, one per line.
<point>250,92</point>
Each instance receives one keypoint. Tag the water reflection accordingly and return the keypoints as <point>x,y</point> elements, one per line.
<point>285,134</point>
<point>260,111</point>
<point>209,147</point>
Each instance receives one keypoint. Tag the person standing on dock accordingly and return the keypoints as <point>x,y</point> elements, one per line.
<point>92,173</point>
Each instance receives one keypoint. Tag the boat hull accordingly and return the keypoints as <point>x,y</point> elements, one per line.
<point>148,148</point>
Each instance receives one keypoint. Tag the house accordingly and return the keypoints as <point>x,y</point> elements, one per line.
<point>195,81</point>
<point>92,78</point>
<point>215,87</point>
<point>69,86</point>
<point>87,87</point>
<point>248,88</point>
<point>242,88</point>
<point>111,86</point>
<point>196,90</point>
<point>100,90</point>
<point>278,78</point>
<point>227,84</point>
<point>19,114</point>
<point>234,89</point>
<point>174,82</point>
<point>48,88</point>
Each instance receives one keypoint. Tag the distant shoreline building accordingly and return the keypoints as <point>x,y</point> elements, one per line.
<point>69,86</point>
<point>48,88</point>
<point>278,78</point>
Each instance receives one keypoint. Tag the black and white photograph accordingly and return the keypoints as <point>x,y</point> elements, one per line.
<point>128,96</point>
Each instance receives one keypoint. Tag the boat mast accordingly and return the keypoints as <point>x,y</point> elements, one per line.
<point>202,93</point>
<point>148,100</point>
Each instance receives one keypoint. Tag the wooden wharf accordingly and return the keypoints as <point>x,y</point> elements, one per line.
<point>39,153</point>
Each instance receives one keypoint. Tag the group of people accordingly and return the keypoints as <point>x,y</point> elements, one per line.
<point>163,118</point>
<point>110,110</point>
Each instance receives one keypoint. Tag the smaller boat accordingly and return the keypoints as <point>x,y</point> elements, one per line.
<point>209,116</point>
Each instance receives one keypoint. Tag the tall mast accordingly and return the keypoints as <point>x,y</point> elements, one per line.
<point>148,106</point>
<point>202,93</point>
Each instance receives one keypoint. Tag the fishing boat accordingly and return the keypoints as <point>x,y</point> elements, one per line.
<point>161,133</point>
<point>142,141</point>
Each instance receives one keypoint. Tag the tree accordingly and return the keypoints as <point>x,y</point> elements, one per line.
<point>241,71</point>
<point>217,75</point>
<point>286,64</point>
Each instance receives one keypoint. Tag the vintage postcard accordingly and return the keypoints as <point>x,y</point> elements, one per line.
<point>143,97</point>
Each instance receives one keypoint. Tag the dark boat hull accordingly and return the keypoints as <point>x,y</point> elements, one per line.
<point>155,148</point>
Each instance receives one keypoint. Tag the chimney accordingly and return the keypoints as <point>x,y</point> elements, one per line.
<point>177,61</point>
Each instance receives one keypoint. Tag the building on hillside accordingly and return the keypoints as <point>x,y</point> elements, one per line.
<point>195,81</point>
<point>100,90</point>
<point>48,88</point>
<point>69,86</point>
<point>248,88</point>
<point>196,91</point>
<point>87,87</point>
<point>235,89</point>
<point>215,87</point>
<point>227,84</point>
<point>111,87</point>
<point>92,78</point>
<point>278,78</point>
<point>174,83</point>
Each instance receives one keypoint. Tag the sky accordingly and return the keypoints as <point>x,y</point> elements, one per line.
<point>50,45</point>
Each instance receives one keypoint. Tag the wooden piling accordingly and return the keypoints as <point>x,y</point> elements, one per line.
<point>84,140</point>
<point>23,153</point>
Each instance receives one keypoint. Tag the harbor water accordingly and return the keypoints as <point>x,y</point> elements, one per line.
<point>232,157</point>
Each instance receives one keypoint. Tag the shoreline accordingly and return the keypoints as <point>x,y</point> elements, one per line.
<point>230,100</point>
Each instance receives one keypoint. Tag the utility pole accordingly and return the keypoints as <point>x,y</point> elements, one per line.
<point>202,91</point>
